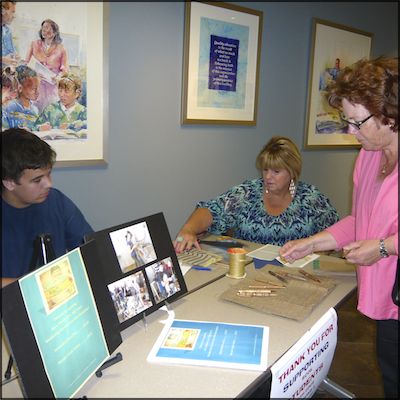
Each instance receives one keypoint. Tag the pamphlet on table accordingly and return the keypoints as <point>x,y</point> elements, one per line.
<point>270,254</point>
<point>213,344</point>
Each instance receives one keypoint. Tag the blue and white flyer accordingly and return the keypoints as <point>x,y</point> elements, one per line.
<point>212,344</point>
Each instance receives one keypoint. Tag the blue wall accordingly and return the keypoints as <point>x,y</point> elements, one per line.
<point>156,164</point>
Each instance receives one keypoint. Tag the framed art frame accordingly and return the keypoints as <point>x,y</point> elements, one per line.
<point>79,139</point>
<point>334,47</point>
<point>221,64</point>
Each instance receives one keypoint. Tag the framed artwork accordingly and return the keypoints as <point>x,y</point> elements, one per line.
<point>221,64</point>
<point>61,46</point>
<point>333,48</point>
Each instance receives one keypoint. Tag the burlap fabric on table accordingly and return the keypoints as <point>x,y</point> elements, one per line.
<point>295,301</point>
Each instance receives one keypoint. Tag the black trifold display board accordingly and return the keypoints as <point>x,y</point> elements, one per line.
<point>140,265</point>
<point>116,278</point>
<point>24,346</point>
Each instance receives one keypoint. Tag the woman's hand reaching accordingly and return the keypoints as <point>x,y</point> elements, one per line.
<point>185,240</point>
<point>296,249</point>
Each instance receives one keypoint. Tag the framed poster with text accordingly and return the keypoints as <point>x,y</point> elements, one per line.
<point>221,64</point>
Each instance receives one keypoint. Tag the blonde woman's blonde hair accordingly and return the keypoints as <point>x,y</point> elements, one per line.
<point>280,153</point>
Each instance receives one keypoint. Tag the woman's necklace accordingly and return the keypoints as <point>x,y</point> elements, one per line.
<point>47,47</point>
<point>385,164</point>
<point>387,167</point>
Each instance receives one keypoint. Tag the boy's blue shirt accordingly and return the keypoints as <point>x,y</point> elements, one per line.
<point>57,216</point>
<point>17,116</point>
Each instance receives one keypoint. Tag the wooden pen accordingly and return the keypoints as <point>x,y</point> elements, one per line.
<point>254,291</point>
<point>292,276</point>
<point>255,294</point>
<point>281,278</point>
<point>271,285</point>
<point>309,276</point>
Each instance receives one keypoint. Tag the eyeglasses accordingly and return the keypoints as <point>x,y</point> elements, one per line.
<point>356,124</point>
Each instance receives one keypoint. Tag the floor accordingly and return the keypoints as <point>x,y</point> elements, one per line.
<point>354,366</point>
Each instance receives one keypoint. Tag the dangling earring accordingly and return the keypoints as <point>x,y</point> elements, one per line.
<point>266,191</point>
<point>292,188</point>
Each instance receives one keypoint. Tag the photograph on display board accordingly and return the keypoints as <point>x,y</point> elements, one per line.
<point>139,253</point>
<point>163,280</point>
<point>133,246</point>
<point>130,296</point>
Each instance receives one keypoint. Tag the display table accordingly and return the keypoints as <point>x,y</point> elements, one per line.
<point>135,377</point>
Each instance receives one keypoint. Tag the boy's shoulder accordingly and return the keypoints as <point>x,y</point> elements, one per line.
<point>79,107</point>
<point>57,200</point>
<point>12,105</point>
<point>57,195</point>
<point>52,107</point>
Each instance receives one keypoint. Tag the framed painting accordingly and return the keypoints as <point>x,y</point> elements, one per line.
<point>221,64</point>
<point>60,51</point>
<point>333,48</point>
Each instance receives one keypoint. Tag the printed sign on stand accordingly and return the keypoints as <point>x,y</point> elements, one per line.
<point>302,369</point>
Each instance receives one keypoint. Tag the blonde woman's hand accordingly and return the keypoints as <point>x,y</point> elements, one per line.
<point>185,240</point>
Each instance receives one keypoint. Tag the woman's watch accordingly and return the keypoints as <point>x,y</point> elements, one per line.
<point>382,249</point>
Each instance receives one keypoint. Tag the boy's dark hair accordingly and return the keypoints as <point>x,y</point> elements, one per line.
<point>22,150</point>
<point>24,72</point>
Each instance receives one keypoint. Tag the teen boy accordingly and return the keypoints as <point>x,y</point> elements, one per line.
<point>31,206</point>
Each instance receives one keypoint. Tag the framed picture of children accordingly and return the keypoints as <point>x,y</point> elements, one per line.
<point>53,75</point>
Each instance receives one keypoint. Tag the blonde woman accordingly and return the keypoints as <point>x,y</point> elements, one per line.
<point>274,208</point>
